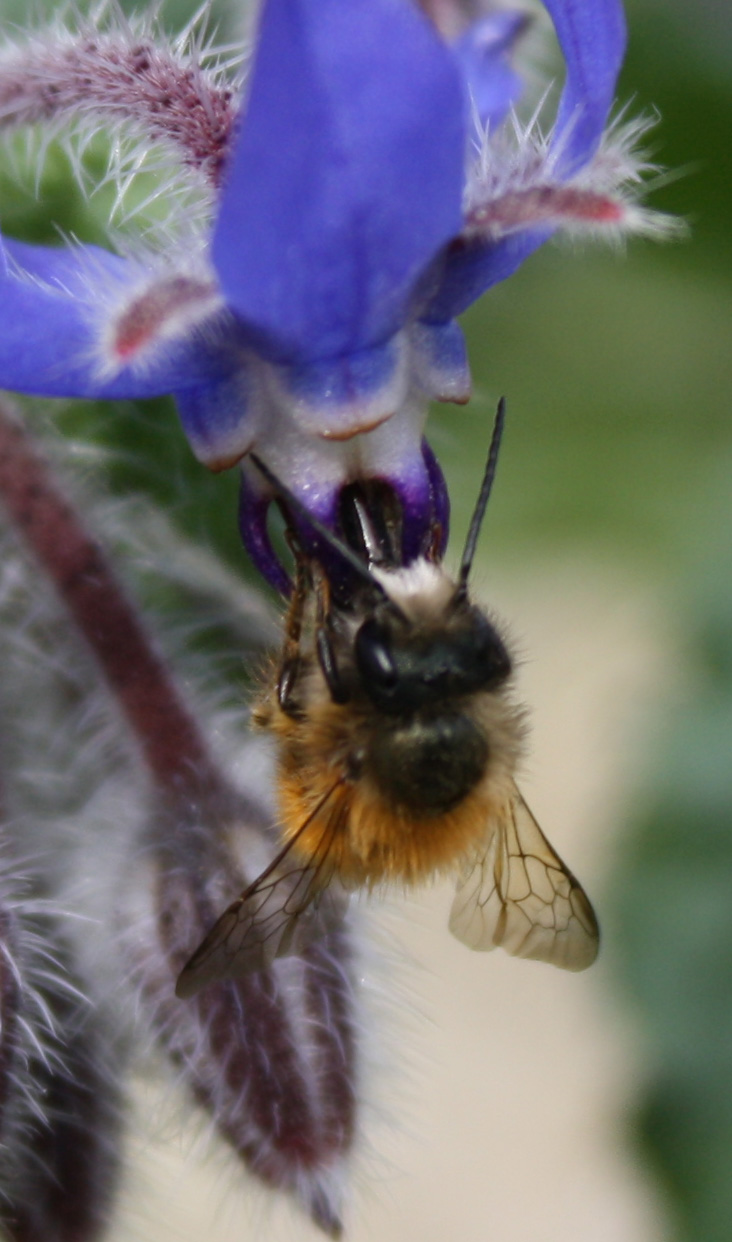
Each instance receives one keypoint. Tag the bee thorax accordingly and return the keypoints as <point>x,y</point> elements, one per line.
<point>428,765</point>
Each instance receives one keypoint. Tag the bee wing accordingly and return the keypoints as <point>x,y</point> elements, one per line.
<point>518,894</point>
<point>287,907</point>
<point>279,914</point>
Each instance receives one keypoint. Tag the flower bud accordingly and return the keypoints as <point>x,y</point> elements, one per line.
<point>272,1055</point>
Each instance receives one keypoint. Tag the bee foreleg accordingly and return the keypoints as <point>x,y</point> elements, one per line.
<point>329,666</point>
<point>324,645</point>
<point>290,663</point>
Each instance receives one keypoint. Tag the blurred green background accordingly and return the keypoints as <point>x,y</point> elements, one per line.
<point>618,371</point>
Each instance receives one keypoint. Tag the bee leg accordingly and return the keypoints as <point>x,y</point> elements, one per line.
<point>286,683</point>
<point>329,666</point>
<point>324,644</point>
<point>290,665</point>
<point>434,551</point>
<point>303,583</point>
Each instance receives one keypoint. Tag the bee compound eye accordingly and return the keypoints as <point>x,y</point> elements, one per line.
<point>490,657</point>
<point>374,656</point>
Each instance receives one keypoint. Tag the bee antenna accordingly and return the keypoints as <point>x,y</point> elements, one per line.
<point>356,564</point>
<point>485,490</point>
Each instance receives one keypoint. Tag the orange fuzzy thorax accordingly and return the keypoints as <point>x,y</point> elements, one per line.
<point>367,838</point>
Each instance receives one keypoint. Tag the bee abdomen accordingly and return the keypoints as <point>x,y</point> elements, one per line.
<point>428,765</point>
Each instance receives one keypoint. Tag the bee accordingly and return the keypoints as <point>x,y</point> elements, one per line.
<point>397,746</point>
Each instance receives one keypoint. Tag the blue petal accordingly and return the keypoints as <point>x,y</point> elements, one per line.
<point>220,419</point>
<point>345,179</point>
<point>483,54</point>
<point>440,362</point>
<point>341,397</point>
<point>415,477</point>
<point>592,37</point>
<point>51,313</point>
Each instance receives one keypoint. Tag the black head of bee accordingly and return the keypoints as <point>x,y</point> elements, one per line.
<point>402,667</point>
<point>403,670</point>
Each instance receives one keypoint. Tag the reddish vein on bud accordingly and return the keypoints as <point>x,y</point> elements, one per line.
<point>542,205</point>
<point>161,311</point>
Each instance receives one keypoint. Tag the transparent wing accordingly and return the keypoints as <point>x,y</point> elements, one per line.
<point>278,915</point>
<point>518,894</point>
<point>290,904</point>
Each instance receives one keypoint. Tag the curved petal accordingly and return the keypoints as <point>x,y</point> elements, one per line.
<point>592,38</point>
<point>472,268</point>
<point>343,397</point>
<point>440,498</point>
<point>221,418</point>
<point>316,470</point>
<point>483,56</point>
<point>346,177</point>
<point>440,366</point>
<point>53,302</point>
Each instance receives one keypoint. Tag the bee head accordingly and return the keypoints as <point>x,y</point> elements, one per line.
<point>404,668</point>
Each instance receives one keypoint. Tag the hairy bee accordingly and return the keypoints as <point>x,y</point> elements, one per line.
<point>397,743</point>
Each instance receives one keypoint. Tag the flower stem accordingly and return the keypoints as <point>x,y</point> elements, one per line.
<point>172,744</point>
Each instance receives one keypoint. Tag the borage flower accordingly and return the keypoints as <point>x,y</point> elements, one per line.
<point>376,182</point>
